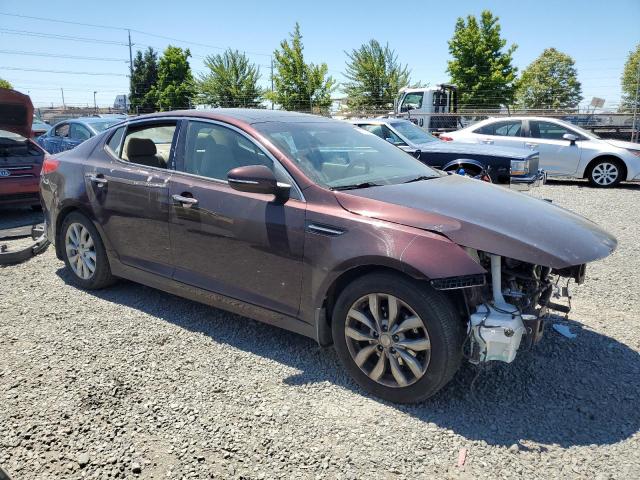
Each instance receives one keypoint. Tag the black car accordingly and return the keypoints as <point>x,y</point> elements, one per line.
<point>517,167</point>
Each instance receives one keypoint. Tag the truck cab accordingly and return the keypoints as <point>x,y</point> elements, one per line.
<point>431,108</point>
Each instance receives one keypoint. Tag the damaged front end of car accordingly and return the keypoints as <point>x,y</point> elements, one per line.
<point>508,312</point>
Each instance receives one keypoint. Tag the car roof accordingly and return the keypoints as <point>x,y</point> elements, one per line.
<point>377,120</point>
<point>246,115</point>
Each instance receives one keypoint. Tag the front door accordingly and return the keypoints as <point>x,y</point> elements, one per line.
<point>241,245</point>
<point>77,134</point>
<point>558,157</point>
<point>128,188</point>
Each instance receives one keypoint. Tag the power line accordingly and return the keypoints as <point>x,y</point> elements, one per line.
<point>60,21</point>
<point>56,55</point>
<point>64,71</point>
<point>60,37</point>
<point>141,32</point>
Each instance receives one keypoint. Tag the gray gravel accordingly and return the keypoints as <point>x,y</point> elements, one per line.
<point>130,382</point>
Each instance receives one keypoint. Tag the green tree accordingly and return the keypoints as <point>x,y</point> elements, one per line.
<point>232,81</point>
<point>143,80</point>
<point>299,85</point>
<point>550,81</point>
<point>5,84</point>
<point>481,67</point>
<point>630,80</point>
<point>375,76</point>
<point>175,87</point>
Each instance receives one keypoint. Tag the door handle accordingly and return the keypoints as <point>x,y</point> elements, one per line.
<point>487,141</point>
<point>186,202</point>
<point>532,145</point>
<point>98,180</point>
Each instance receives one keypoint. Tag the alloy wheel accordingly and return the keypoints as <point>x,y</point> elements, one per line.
<point>605,174</point>
<point>81,251</point>
<point>387,340</point>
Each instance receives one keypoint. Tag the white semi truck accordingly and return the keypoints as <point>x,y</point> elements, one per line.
<point>431,108</point>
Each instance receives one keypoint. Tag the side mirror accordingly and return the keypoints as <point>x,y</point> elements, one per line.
<point>257,179</point>
<point>417,153</point>
<point>570,137</point>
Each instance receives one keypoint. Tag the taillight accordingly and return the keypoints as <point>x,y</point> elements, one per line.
<point>444,138</point>
<point>49,165</point>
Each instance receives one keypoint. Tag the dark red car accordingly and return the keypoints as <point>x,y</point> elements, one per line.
<point>20,157</point>
<point>322,228</point>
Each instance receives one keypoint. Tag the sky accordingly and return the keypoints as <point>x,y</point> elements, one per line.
<point>598,35</point>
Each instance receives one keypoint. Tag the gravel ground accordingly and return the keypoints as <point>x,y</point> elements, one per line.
<point>130,382</point>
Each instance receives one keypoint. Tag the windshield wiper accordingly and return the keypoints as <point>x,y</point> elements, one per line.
<point>356,186</point>
<point>420,178</point>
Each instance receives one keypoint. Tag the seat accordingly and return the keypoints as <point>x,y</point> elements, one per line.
<point>143,152</point>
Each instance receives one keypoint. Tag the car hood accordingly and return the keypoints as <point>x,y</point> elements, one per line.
<point>486,217</point>
<point>622,144</point>
<point>471,148</point>
<point>16,112</point>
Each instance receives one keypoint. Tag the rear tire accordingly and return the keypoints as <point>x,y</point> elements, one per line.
<point>84,254</point>
<point>606,173</point>
<point>418,332</point>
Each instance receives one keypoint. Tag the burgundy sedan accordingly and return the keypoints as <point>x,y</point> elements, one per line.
<point>322,228</point>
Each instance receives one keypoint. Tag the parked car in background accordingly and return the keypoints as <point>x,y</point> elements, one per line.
<point>566,151</point>
<point>517,167</point>
<point>20,157</point>
<point>71,133</point>
<point>38,127</point>
<point>320,227</point>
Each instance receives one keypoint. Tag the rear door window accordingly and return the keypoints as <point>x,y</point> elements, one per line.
<point>149,144</point>
<point>115,142</point>
<point>507,128</point>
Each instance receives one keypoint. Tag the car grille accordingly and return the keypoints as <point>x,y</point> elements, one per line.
<point>18,171</point>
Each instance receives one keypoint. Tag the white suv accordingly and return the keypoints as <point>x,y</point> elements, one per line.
<point>565,150</point>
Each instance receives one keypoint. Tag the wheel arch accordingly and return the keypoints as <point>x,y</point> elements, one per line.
<point>608,156</point>
<point>63,213</point>
<point>332,292</point>
<point>463,162</point>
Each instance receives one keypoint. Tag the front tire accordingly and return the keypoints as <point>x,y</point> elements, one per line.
<point>84,254</point>
<point>605,173</point>
<point>399,339</point>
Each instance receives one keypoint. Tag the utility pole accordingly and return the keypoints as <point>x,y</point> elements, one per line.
<point>130,56</point>
<point>95,105</point>
<point>635,135</point>
<point>63,105</point>
<point>271,82</point>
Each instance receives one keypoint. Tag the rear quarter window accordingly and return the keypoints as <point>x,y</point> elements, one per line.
<point>114,144</point>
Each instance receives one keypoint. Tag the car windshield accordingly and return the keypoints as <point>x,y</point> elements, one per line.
<point>339,155</point>
<point>102,126</point>
<point>413,133</point>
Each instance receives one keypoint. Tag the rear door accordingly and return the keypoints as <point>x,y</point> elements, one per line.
<point>128,188</point>
<point>241,245</point>
<point>503,133</point>
<point>558,157</point>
